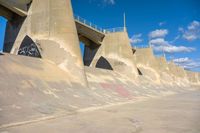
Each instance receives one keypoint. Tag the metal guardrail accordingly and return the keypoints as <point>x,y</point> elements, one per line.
<point>97,28</point>
<point>113,30</point>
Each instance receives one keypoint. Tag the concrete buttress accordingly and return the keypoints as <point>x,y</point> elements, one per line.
<point>50,25</point>
<point>116,49</point>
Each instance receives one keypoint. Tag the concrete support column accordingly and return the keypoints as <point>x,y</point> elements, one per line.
<point>50,24</point>
<point>116,49</point>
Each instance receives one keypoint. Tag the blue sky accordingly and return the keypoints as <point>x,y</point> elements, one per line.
<point>172,26</point>
<point>2,31</point>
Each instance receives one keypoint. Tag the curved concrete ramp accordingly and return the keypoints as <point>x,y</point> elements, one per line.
<point>32,88</point>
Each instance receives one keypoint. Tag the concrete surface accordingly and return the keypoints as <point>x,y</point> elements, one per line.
<point>86,32</point>
<point>52,91</point>
<point>50,25</point>
<point>173,114</point>
<point>116,49</point>
<point>19,7</point>
<point>48,92</point>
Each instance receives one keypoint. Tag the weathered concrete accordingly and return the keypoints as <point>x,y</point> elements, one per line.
<point>154,68</point>
<point>55,35</point>
<point>147,63</point>
<point>85,31</point>
<point>158,69</point>
<point>104,49</point>
<point>177,71</point>
<point>36,94</point>
<point>32,88</point>
<point>199,77</point>
<point>19,7</point>
<point>116,49</point>
<point>174,114</point>
<point>192,76</point>
<point>34,91</point>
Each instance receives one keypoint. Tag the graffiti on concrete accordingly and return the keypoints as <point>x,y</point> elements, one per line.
<point>119,89</point>
<point>29,48</point>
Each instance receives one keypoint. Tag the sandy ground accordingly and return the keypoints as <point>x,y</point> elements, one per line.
<point>173,114</point>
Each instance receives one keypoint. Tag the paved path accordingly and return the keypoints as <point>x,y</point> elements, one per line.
<point>173,114</point>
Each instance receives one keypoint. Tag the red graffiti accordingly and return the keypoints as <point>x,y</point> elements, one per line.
<point>119,89</point>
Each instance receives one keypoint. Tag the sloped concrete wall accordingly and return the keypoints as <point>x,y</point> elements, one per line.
<point>31,88</point>
<point>199,77</point>
<point>50,24</point>
<point>192,76</point>
<point>147,64</point>
<point>145,56</point>
<point>116,49</point>
<point>158,69</point>
<point>177,71</point>
<point>34,89</point>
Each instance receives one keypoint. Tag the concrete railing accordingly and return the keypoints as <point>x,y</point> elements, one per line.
<point>97,28</point>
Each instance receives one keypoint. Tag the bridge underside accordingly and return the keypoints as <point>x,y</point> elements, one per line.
<point>86,32</point>
<point>19,7</point>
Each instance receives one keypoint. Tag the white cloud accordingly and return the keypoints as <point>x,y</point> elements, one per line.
<point>158,41</point>
<point>187,63</point>
<point>112,2</point>
<point>193,25</point>
<point>160,44</point>
<point>173,49</point>
<point>175,39</point>
<point>191,65</point>
<point>103,2</point>
<point>192,32</point>
<point>162,23</point>
<point>136,39</point>
<point>158,33</point>
<point>182,60</point>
